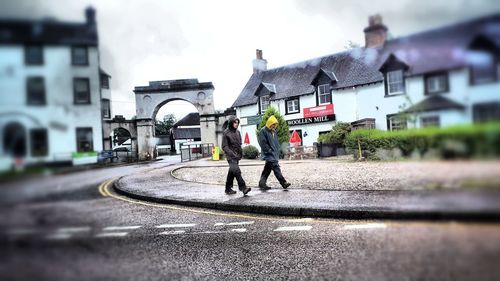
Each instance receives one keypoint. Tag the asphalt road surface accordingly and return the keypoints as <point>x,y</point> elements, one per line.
<point>83,232</point>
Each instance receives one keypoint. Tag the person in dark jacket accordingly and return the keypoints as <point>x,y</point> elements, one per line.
<point>231,145</point>
<point>270,151</point>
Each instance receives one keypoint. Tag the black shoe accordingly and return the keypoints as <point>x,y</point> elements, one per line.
<point>286,185</point>
<point>230,191</point>
<point>264,187</point>
<point>246,190</point>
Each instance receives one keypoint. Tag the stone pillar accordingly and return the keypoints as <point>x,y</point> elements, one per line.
<point>145,140</point>
<point>208,129</point>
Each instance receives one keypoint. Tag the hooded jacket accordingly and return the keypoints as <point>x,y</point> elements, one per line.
<point>231,140</point>
<point>269,142</point>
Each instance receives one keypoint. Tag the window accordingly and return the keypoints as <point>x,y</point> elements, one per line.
<point>483,69</point>
<point>264,103</point>
<point>39,142</point>
<point>79,55</point>
<point>84,142</point>
<point>106,111</point>
<point>324,95</point>
<point>81,91</point>
<point>292,106</point>
<point>104,82</point>
<point>14,140</point>
<point>485,112</point>
<point>35,87</point>
<point>436,83</point>
<point>430,121</point>
<point>395,82</point>
<point>395,123</point>
<point>33,55</point>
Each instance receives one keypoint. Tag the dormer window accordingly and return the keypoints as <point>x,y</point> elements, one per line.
<point>264,103</point>
<point>324,94</point>
<point>436,83</point>
<point>395,82</point>
<point>483,69</point>
<point>394,75</point>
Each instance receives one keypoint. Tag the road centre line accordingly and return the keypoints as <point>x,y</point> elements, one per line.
<point>58,236</point>
<point>365,226</point>
<point>176,225</point>
<point>234,223</point>
<point>240,230</point>
<point>74,229</point>
<point>111,234</point>
<point>113,228</point>
<point>294,228</point>
<point>174,232</point>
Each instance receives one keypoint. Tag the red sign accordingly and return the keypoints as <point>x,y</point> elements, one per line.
<point>295,137</point>
<point>247,139</point>
<point>316,111</point>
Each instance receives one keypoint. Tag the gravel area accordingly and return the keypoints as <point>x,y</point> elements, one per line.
<point>349,175</point>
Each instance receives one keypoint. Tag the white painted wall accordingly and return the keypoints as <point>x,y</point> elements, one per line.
<point>58,73</point>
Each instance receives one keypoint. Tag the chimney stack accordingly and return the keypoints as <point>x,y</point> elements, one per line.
<point>375,33</point>
<point>259,63</point>
<point>90,15</point>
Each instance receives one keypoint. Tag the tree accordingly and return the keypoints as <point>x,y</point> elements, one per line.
<point>162,128</point>
<point>283,129</point>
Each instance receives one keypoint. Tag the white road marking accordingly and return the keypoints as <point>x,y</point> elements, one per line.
<point>113,228</point>
<point>74,229</point>
<point>111,234</point>
<point>208,232</point>
<point>234,223</point>
<point>172,232</point>
<point>21,231</point>
<point>239,230</point>
<point>58,236</point>
<point>294,228</point>
<point>175,225</point>
<point>365,226</point>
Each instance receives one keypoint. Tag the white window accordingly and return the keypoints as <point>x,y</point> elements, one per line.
<point>292,106</point>
<point>264,103</point>
<point>429,121</point>
<point>324,95</point>
<point>396,123</point>
<point>437,83</point>
<point>395,82</point>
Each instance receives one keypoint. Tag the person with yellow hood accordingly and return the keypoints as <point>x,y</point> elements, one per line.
<point>270,152</point>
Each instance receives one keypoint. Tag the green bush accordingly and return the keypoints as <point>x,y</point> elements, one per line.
<point>463,141</point>
<point>250,152</point>
<point>337,135</point>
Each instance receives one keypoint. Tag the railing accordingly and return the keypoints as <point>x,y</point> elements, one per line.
<point>196,151</point>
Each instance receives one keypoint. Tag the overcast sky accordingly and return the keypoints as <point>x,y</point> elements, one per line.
<point>146,40</point>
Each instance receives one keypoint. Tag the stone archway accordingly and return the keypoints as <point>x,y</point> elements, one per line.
<point>149,99</point>
<point>110,126</point>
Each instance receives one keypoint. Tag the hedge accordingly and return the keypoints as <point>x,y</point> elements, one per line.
<point>250,152</point>
<point>463,141</point>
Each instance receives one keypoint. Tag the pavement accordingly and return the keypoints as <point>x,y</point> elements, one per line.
<point>160,186</point>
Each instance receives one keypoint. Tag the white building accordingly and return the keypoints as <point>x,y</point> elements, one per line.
<point>50,103</point>
<point>440,77</point>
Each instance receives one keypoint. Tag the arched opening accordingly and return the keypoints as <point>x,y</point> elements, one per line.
<point>121,139</point>
<point>14,140</point>
<point>176,122</point>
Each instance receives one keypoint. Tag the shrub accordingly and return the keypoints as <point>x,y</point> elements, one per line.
<point>463,141</point>
<point>250,152</point>
<point>337,135</point>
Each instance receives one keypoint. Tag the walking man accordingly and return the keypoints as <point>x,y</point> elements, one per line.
<point>270,151</point>
<point>231,145</point>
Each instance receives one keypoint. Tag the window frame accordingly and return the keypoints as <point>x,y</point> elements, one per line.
<point>437,75</point>
<point>261,99</point>
<point>425,119</point>
<point>486,107</point>
<point>75,62</point>
<point>390,118</point>
<point>104,85</point>
<point>388,83</point>
<point>328,93</point>
<point>27,60</point>
<point>108,108</point>
<point>287,111</point>
<point>82,130</point>
<point>44,141</point>
<point>75,92</point>
<point>31,95</point>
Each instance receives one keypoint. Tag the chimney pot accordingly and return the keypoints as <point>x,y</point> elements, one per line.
<point>259,63</point>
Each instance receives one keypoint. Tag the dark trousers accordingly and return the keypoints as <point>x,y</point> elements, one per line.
<point>271,166</point>
<point>234,172</point>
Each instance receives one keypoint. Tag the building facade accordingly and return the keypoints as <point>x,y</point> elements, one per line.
<point>441,77</point>
<point>50,109</point>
